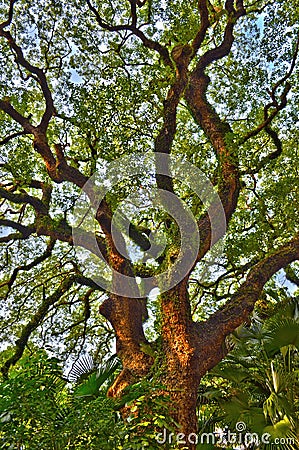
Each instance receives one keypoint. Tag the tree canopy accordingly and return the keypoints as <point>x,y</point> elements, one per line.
<point>164,137</point>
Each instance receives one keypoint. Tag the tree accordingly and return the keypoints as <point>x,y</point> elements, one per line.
<point>212,85</point>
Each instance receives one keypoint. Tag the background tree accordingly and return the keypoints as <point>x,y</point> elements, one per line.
<point>86,82</point>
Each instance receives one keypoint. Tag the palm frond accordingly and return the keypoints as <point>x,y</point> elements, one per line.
<point>83,366</point>
<point>91,386</point>
<point>283,332</point>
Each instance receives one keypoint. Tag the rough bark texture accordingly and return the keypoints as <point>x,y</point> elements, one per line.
<point>182,361</point>
<point>189,349</point>
<point>192,349</point>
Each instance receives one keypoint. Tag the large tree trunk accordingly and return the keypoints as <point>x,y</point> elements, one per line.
<point>182,367</point>
<point>181,357</point>
<point>189,350</point>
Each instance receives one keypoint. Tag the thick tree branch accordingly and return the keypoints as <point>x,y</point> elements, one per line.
<point>218,132</point>
<point>138,237</point>
<point>22,198</point>
<point>12,237</point>
<point>15,115</point>
<point>133,12</point>
<point>181,55</point>
<point>44,225</point>
<point>204,25</point>
<point>64,172</point>
<point>7,22</point>
<point>24,234</point>
<point>40,140</point>
<point>224,48</point>
<point>84,281</point>
<point>58,170</point>
<point>12,136</point>
<point>238,309</point>
<point>126,316</point>
<point>24,230</point>
<point>46,190</point>
<point>211,334</point>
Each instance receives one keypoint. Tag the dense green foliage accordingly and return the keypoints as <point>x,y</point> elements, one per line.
<point>257,384</point>
<point>41,409</point>
<point>108,91</point>
<point>83,83</point>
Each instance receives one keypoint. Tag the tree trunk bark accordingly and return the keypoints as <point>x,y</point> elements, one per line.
<point>189,350</point>
<point>180,346</point>
<point>126,315</point>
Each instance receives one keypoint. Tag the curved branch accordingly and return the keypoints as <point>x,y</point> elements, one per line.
<point>34,322</point>
<point>237,310</point>
<point>181,55</point>
<point>217,131</point>
<point>47,253</point>
<point>10,15</point>
<point>15,115</point>
<point>204,25</point>
<point>212,333</point>
<point>17,236</point>
<point>44,225</point>
<point>274,155</point>
<point>268,118</point>
<point>12,136</point>
<point>224,48</point>
<point>24,230</point>
<point>149,43</point>
<point>41,78</point>
<point>37,204</point>
<point>58,170</point>
<point>40,140</point>
<point>58,174</point>
<point>278,106</point>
